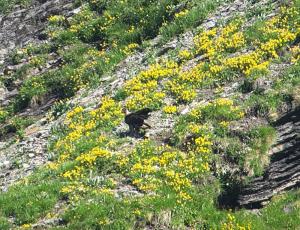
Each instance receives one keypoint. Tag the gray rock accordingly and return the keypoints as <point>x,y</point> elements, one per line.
<point>283,172</point>
<point>3,93</point>
<point>23,26</point>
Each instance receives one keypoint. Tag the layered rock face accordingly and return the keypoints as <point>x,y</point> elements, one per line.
<point>284,170</point>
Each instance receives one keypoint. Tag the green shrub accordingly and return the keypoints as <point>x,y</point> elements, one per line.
<point>33,87</point>
<point>189,18</point>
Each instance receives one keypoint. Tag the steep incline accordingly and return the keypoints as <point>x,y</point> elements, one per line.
<point>213,99</point>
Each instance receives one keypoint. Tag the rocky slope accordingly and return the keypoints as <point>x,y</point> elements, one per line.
<point>19,28</point>
<point>24,26</point>
<point>233,142</point>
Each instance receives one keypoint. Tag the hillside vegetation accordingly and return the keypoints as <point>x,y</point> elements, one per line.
<point>215,88</point>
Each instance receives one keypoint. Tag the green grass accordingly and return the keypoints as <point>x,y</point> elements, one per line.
<point>26,203</point>
<point>262,139</point>
<point>283,91</point>
<point>4,224</point>
<point>107,212</point>
<point>196,12</point>
<point>281,213</point>
<point>139,213</point>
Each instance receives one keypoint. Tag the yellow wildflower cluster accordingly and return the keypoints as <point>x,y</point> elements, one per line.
<point>232,224</point>
<point>104,221</point>
<point>74,187</point>
<point>170,109</point>
<point>244,62</point>
<point>177,180</point>
<point>185,54</point>
<point>213,42</point>
<point>25,226</point>
<point>147,185</point>
<point>203,145</point>
<point>184,85</point>
<point>92,52</point>
<point>181,14</point>
<point>78,79</point>
<point>202,123</point>
<point>136,212</point>
<point>219,109</point>
<point>283,36</point>
<point>131,29</point>
<point>150,87</point>
<point>106,191</point>
<point>3,115</point>
<point>79,22</point>
<point>36,61</point>
<point>224,124</point>
<point>74,190</point>
<point>130,48</point>
<point>149,99</point>
<point>182,92</point>
<point>195,128</point>
<point>108,20</point>
<point>86,147</point>
<point>143,90</point>
<point>295,54</point>
<point>109,113</point>
<point>56,18</point>
<point>70,115</point>
<point>155,72</point>
<point>223,101</point>
<point>74,173</point>
<point>91,157</point>
<point>52,165</point>
<point>152,168</point>
<point>81,125</point>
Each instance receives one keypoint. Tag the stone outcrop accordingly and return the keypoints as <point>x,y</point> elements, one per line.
<point>283,172</point>
<point>23,26</point>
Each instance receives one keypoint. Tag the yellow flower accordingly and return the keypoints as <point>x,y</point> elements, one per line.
<point>181,14</point>
<point>26,226</point>
<point>170,109</point>
<point>137,212</point>
<point>73,174</point>
<point>56,18</point>
<point>185,55</point>
<point>91,157</point>
<point>224,124</point>
<point>104,221</point>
